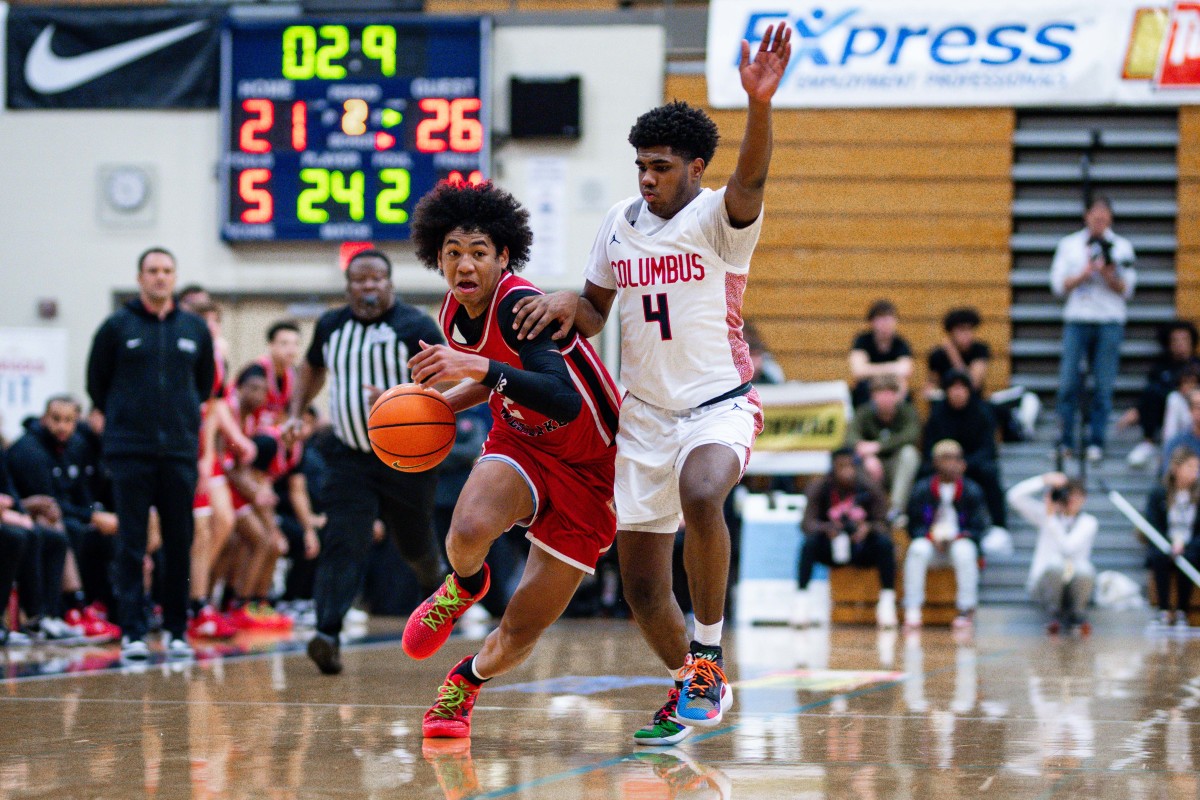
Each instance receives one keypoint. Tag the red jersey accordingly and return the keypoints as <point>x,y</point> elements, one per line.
<point>280,386</point>
<point>587,437</point>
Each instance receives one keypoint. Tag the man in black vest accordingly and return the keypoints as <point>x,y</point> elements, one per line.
<point>150,368</point>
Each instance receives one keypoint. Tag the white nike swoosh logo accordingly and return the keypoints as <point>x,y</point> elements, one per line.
<point>48,73</point>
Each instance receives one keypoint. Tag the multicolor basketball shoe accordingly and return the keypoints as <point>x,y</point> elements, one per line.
<point>663,729</point>
<point>429,626</point>
<point>705,694</point>
<point>450,716</point>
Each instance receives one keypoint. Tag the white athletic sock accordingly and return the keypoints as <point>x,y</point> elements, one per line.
<point>709,634</point>
<point>475,670</point>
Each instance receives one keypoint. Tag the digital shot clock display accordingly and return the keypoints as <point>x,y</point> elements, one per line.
<point>332,129</point>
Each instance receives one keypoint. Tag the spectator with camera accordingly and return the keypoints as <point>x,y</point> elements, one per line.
<point>845,522</point>
<point>1093,270</point>
<point>1061,577</point>
<point>884,434</point>
<point>947,517</point>
<point>1171,509</point>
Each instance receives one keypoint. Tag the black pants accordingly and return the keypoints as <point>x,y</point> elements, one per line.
<point>169,485</point>
<point>1152,409</point>
<point>358,490</point>
<point>1164,569</point>
<point>93,554</point>
<point>39,581</point>
<point>875,550</point>
<point>13,543</point>
<point>302,571</point>
<point>988,477</point>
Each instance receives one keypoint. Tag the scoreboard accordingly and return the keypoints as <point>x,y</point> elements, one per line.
<point>332,129</point>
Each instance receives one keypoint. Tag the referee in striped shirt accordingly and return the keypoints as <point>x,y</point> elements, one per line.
<point>362,349</point>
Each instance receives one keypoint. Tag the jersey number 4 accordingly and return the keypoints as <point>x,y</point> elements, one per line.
<point>661,315</point>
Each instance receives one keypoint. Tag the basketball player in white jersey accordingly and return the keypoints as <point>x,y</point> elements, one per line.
<point>675,259</point>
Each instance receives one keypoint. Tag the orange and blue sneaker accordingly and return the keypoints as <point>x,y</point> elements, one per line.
<point>429,626</point>
<point>450,716</point>
<point>452,764</point>
<point>663,730</point>
<point>705,694</point>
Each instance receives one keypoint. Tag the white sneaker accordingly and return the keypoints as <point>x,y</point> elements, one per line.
<point>1027,413</point>
<point>1142,454</point>
<point>1181,620</point>
<point>134,650</point>
<point>179,648</point>
<point>56,629</point>
<point>14,638</point>
<point>1095,454</point>
<point>802,615</point>
<point>912,618</point>
<point>885,609</point>
<point>355,616</point>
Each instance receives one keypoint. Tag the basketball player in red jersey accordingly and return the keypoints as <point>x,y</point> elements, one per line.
<point>548,462</point>
<point>675,260</point>
<point>279,362</point>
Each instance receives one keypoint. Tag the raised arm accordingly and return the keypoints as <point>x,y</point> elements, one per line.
<point>760,79</point>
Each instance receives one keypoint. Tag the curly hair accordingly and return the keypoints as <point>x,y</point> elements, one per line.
<point>687,130</point>
<point>483,208</point>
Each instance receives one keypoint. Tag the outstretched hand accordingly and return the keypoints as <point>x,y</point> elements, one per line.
<point>761,77</point>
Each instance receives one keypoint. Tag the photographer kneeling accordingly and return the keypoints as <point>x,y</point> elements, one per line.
<point>1062,576</point>
<point>845,522</point>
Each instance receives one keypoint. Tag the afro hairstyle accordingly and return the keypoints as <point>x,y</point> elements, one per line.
<point>483,208</point>
<point>687,130</point>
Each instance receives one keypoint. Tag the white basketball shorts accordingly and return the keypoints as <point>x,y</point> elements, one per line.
<point>652,445</point>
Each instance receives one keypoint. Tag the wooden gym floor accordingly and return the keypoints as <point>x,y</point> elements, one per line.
<point>1007,713</point>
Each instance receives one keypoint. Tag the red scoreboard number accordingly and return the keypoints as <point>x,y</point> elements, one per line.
<point>442,125</point>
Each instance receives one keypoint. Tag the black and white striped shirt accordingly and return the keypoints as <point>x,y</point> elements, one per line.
<point>359,354</point>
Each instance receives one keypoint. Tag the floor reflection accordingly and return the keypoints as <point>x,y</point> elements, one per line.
<point>820,714</point>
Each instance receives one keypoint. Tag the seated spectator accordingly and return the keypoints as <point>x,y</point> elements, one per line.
<point>879,351</point>
<point>1062,573</point>
<point>947,517</point>
<point>1178,417</point>
<point>1189,438</point>
<point>51,460</point>
<point>1178,341</point>
<point>968,420</point>
<point>845,523</point>
<point>884,435</point>
<point>13,541</point>
<point>1171,509</point>
<point>301,520</point>
<point>766,368</point>
<point>1015,409</point>
<point>40,572</point>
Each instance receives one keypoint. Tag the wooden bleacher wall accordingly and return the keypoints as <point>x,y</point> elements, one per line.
<point>908,204</point>
<point>1187,221</point>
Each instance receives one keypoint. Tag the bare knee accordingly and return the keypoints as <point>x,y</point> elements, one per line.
<point>469,533</point>
<point>702,497</point>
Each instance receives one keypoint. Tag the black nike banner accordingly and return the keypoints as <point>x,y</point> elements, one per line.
<point>112,57</point>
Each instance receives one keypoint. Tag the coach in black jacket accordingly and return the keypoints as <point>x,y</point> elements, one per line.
<point>150,369</point>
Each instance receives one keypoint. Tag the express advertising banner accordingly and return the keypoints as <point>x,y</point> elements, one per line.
<point>882,53</point>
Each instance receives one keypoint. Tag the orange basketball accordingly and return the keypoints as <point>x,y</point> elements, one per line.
<point>411,427</point>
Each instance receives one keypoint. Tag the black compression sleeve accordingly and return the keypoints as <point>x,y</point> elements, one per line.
<point>543,383</point>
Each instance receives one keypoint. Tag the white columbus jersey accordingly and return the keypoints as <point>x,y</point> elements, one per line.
<point>679,299</point>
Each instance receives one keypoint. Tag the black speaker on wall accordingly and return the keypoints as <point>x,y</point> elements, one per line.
<point>544,108</point>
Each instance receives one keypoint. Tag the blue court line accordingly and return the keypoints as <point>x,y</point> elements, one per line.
<point>614,761</point>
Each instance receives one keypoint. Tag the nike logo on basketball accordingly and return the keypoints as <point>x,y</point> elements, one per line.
<point>49,73</point>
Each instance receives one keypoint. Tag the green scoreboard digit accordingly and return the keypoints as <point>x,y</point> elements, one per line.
<point>333,128</point>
